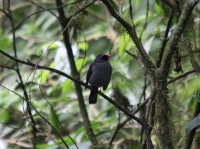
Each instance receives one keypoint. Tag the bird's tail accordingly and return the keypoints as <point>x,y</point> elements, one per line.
<point>93,95</point>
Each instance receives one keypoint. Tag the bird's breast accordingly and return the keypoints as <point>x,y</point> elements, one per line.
<point>101,74</point>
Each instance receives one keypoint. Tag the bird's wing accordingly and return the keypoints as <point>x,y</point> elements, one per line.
<point>89,73</point>
<point>105,87</point>
<point>107,77</point>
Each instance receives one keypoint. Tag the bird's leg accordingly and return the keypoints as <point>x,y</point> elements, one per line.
<point>100,91</point>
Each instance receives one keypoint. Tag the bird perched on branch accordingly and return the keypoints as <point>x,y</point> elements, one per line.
<point>99,75</point>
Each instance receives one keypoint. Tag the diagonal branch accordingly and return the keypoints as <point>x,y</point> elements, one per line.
<point>190,137</point>
<point>143,56</point>
<point>21,83</point>
<point>49,10</point>
<point>57,120</point>
<point>64,22</point>
<point>191,54</point>
<point>77,81</point>
<point>121,125</point>
<point>187,10</point>
<point>63,141</point>
<point>181,76</point>
<point>164,43</point>
<point>146,19</point>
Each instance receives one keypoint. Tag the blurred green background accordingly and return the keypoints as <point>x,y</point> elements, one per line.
<point>93,31</point>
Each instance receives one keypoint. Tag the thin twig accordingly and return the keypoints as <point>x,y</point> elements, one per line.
<point>121,125</point>
<point>12,68</point>
<point>130,10</point>
<point>11,111</point>
<point>43,11</point>
<point>146,18</point>
<point>12,91</point>
<point>181,76</point>
<point>50,125</point>
<point>9,15</point>
<point>164,43</point>
<point>56,116</point>
<point>48,136</point>
<point>42,8</point>
<point>74,80</point>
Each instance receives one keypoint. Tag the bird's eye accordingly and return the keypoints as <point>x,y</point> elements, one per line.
<point>104,57</point>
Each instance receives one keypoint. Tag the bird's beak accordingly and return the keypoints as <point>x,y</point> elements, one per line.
<point>109,55</point>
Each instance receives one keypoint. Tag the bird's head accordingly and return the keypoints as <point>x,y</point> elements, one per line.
<point>102,57</point>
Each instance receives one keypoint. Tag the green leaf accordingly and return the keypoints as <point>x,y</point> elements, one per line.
<point>192,86</point>
<point>79,63</point>
<point>66,86</point>
<point>139,19</point>
<point>31,28</point>
<point>96,125</point>
<point>5,42</point>
<point>83,46</point>
<point>158,8</point>
<point>196,97</point>
<point>124,39</point>
<point>79,131</point>
<point>103,112</point>
<point>45,76</point>
<point>47,146</point>
<point>4,116</point>
<point>54,120</point>
<point>192,124</point>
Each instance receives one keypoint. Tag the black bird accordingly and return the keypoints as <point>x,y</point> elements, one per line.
<point>99,75</point>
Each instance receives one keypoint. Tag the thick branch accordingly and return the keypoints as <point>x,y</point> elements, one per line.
<point>188,7</point>
<point>190,137</point>
<point>63,22</point>
<point>147,63</point>
<point>190,53</point>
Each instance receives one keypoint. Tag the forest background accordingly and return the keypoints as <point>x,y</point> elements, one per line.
<point>153,100</point>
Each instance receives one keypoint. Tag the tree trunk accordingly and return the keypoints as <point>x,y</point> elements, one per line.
<point>162,111</point>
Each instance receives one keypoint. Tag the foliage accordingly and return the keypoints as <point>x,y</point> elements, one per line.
<point>53,96</point>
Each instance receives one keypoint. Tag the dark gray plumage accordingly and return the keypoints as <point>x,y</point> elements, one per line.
<point>99,75</point>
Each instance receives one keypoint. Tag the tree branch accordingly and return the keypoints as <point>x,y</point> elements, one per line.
<point>57,120</point>
<point>188,7</point>
<point>146,19</point>
<point>147,63</point>
<point>21,83</point>
<point>63,141</point>
<point>121,125</point>
<point>190,137</point>
<point>181,76</point>
<point>190,53</point>
<point>64,22</point>
<point>77,81</point>
<point>44,9</point>
<point>164,40</point>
